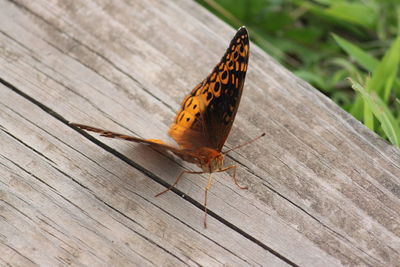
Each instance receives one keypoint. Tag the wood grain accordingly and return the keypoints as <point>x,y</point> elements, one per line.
<point>323,189</point>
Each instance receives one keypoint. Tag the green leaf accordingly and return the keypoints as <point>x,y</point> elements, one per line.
<point>388,122</point>
<point>346,66</point>
<point>308,35</point>
<point>356,13</point>
<point>357,109</point>
<point>328,1</point>
<point>367,114</point>
<point>274,21</point>
<point>368,117</point>
<point>385,73</point>
<point>360,56</point>
<point>312,78</point>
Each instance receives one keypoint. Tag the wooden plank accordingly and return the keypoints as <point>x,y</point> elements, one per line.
<point>324,190</point>
<point>93,208</point>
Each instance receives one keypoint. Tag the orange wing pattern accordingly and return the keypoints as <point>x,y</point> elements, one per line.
<point>207,113</point>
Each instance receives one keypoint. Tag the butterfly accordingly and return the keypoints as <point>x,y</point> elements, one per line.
<point>205,118</point>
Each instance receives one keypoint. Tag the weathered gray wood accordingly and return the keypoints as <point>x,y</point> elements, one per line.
<point>92,208</point>
<point>323,189</point>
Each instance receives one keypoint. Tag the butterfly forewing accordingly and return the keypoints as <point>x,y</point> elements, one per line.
<point>208,112</point>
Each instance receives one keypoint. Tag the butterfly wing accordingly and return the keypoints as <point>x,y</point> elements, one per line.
<point>207,113</point>
<point>155,143</point>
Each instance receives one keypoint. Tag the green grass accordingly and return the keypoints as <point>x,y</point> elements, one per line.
<point>326,41</point>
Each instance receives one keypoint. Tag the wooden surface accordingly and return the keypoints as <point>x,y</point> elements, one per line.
<point>323,189</point>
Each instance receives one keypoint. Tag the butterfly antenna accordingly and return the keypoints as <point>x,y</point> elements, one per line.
<point>244,144</point>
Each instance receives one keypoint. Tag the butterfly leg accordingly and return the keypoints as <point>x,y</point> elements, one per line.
<point>234,176</point>
<point>176,181</point>
<point>208,186</point>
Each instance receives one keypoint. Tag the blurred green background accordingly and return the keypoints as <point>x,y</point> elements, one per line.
<point>349,50</point>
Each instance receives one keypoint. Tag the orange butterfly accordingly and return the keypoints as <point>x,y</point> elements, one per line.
<point>206,116</point>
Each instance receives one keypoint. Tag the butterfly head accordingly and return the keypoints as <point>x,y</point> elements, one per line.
<point>211,160</point>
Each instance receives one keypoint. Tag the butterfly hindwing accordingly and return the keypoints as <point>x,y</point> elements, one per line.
<point>155,143</point>
<point>208,112</point>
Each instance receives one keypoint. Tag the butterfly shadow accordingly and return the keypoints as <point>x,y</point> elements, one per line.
<point>159,166</point>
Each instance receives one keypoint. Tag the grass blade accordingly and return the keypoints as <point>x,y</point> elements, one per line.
<point>360,56</point>
<point>380,110</point>
<point>385,73</point>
